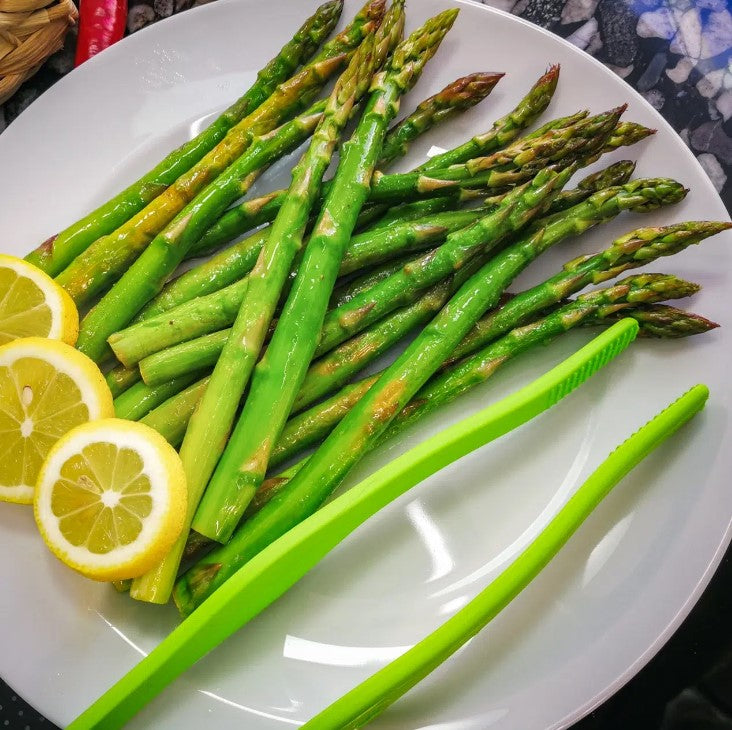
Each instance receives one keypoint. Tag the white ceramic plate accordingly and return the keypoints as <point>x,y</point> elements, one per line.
<point>594,617</point>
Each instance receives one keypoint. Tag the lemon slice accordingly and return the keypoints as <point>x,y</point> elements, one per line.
<point>111,499</point>
<point>32,304</point>
<point>46,388</point>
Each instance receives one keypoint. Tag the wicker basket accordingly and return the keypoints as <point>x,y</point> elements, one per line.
<point>30,31</point>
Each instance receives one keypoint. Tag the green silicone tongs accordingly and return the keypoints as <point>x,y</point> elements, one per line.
<point>279,566</point>
<point>370,698</point>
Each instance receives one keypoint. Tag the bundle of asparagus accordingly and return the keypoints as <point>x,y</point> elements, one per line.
<point>282,322</point>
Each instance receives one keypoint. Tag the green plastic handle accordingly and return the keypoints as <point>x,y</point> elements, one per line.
<point>370,698</point>
<point>280,565</point>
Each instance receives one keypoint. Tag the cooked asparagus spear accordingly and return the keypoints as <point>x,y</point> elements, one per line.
<point>404,286</point>
<point>297,498</point>
<point>106,258</point>
<point>364,249</point>
<point>55,254</point>
<point>225,268</point>
<point>658,321</point>
<point>504,130</point>
<point>461,94</point>
<point>278,375</point>
<point>170,419</point>
<point>120,378</point>
<point>637,248</point>
<point>140,399</point>
<point>399,289</point>
<point>391,235</point>
<point>211,422</point>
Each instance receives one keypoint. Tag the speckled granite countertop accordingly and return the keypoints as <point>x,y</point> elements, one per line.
<point>678,55</point>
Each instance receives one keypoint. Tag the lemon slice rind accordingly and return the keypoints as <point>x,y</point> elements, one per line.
<point>161,527</point>
<point>64,314</point>
<point>69,361</point>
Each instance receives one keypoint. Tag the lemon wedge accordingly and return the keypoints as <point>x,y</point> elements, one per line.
<point>111,499</point>
<point>32,304</point>
<point>46,389</point>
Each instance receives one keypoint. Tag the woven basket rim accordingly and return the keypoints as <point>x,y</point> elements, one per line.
<point>30,31</point>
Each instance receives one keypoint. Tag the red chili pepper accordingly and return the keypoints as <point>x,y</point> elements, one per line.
<point>101,23</point>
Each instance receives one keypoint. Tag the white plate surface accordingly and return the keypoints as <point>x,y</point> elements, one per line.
<point>591,620</point>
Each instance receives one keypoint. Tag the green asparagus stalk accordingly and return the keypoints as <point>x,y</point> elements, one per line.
<point>203,352</point>
<point>379,216</point>
<point>170,419</point>
<point>347,290</point>
<point>504,168</point>
<point>637,248</point>
<point>120,378</point>
<point>313,425</point>
<point>225,268</point>
<point>58,252</point>
<point>213,418</point>
<point>506,129</point>
<point>96,268</point>
<point>232,264</point>
<point>343,362</point>
<point>658,321</point>
<point>248,215</point>
<point>147,275</point>
<point>173,362</point>
<point>252,213</point>
<point>218,309</point>
<point>301,495</point>
<point>631,250</point>
<point>461,94</point>
<point>400,288</point>
<point>364,249</point>
<point>140,399</point>
<point>404,286</point>
<point>627,134</point>
<point>278,375</point>
<point>616,174</point>
<point>211,422</point>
